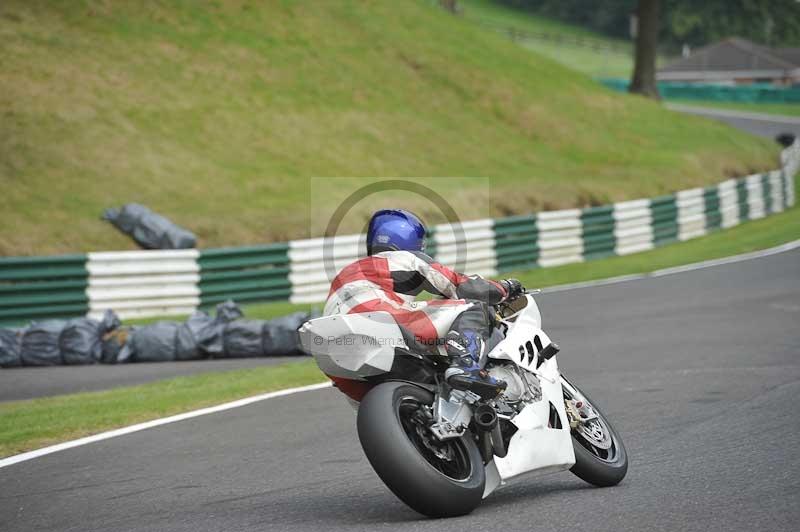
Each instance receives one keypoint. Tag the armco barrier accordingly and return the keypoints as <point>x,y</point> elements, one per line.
<point>43,287</point>
<point>308,275</point>
<point>147,283</point>
<point>515,242</point>
<point>143,283</point>
<point>254,273</point>
<point>672,90</point>
<point>475,240</point>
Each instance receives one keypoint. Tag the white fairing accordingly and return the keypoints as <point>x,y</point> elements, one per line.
<point>535,446</point>
<point>353,346</point>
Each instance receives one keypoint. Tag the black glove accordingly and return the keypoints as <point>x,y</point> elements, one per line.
<point>513,287</point>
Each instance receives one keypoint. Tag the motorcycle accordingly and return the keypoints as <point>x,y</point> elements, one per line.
<point>441,450</point>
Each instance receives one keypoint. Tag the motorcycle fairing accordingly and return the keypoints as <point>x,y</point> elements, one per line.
<point>353,346</point>
<point>536,445</point>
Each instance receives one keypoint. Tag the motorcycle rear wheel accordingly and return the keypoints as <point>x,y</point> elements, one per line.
<point>437,479</point>
<point>602,467</point>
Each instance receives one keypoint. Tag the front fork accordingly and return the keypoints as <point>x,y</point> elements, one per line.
<point>579,411</point>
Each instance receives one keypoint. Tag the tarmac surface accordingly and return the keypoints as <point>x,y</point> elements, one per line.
<point>699,371</point>
<point>761,124</point>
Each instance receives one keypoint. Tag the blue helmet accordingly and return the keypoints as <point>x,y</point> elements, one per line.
<point>395,230</point>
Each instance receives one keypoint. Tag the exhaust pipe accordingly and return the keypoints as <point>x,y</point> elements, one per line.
<point>486,421</point>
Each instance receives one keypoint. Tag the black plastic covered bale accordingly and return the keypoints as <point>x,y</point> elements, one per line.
<point>88,341</point>
<point>80,342</point>
<point>201,336</point>
<point>281,337</point>
<point>211,334</point>
<point>228,311</point>
<point>40,343</point>
<point>10,348</point>
<point>167,341</point>
<point>199,333</point>
<point>148,229</point>
<point>259,338</point>
<point>75,341</point>
<point>243,339</point>
<point>152,343</point>
<point>113,343</point>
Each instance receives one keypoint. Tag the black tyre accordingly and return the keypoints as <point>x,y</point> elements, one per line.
<point>437,479</point>
<point>600,455</point>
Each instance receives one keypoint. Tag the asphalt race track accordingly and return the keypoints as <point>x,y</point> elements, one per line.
<point>698,370</point>
<point>756,123</point>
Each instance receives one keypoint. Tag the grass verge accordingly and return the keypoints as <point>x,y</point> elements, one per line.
<point>26,425</point>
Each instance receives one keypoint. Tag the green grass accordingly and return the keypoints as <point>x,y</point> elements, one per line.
<point>782,109</point>
<point>500,15</point>
<point>607,58</point>
<point>595,63</point>
<point>218,113</point>
<point>257,311</point>
<point>31,424</point>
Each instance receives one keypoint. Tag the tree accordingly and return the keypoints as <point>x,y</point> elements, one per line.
<point>774,23</point>
<point>450,5</point>
<point>644,70</point>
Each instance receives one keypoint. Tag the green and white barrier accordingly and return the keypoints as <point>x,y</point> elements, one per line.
<point>143,283</point>
<point>472,245</point>
<point>253,273</point>
<point>633,227</point>
<point>307,275</point>
<point>156,283</point>
<point>42,287</point>
<point>675,90</point>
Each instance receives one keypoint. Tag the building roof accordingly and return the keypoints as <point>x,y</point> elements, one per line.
<point>735,55</point>
<point>791,55</point>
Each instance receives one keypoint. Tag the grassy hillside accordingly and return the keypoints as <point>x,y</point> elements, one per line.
<point>217,114</point>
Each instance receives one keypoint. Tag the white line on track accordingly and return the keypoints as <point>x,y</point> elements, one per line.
<point>11,460</point>
<point>789,246</point>
<point>157,423</point>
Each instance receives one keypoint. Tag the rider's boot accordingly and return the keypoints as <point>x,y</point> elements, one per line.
<point>464,350</point>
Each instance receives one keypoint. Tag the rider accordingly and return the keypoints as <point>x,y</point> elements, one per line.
<point>396,270</point>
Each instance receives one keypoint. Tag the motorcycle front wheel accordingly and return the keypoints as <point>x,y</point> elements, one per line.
<point>435,478</point>
<point>600,455</point>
